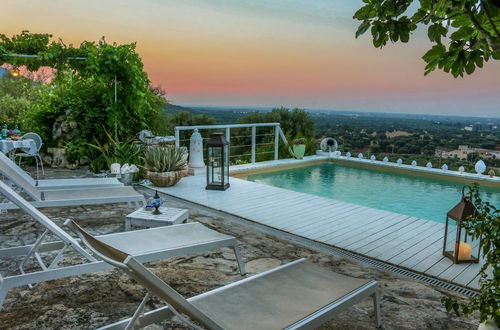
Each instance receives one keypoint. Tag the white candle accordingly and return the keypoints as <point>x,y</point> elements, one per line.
<point>464,251</point>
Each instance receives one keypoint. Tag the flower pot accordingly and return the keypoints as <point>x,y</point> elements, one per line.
<point>164,179</point>
<point>299,150</point>
<point>126,178</point>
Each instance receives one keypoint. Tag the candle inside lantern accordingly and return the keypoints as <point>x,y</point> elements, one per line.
<point>464,251</point>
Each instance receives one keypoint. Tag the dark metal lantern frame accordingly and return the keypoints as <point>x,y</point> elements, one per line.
<point>459,214</point>
<point>218,162</point>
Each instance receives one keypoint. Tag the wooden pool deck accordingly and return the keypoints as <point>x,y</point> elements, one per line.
<point>397,239</point>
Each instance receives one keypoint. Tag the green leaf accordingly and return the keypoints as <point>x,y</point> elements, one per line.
<point>464,32</point>
<point>363,27</point>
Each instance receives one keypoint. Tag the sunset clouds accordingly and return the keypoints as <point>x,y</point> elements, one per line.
<point>263,53</point>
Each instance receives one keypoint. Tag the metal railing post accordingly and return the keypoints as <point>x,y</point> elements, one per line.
<point>276,142</point>
<point>254,130</point>
<point>228,134</point>
<point>177,139</point>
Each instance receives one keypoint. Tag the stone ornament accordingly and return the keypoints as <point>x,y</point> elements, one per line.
<point>480,167</point>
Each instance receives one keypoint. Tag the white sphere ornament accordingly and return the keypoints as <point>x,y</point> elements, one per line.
<point>461,169</point>
<point>480,167</point>
<point>400,161</point>
<point>444,167</point>
<point>360,155</point>
<point>414,163</point>
<point>385,160</point>
<point>372,158</point>
<point>428,165</point>
<point>348,154</point>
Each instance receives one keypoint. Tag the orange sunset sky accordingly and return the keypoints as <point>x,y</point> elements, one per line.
<point>294,53</point>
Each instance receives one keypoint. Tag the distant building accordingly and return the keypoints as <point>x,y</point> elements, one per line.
<point>463,151</point>
<point>468,128</point>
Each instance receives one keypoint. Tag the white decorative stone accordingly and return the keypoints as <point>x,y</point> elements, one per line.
<point>115,168</point>
<point>444,167</point>
<point>385,160</point>
<point>348,154</point>
<point>124,168</point>
<point>196,150</point>
<point>360,155</point>
<point>414,163</point>
<point>400,161</point>
<point>461,169</point>
<point>480,167</point>
<point>372,158</point>
<point>428,165</point>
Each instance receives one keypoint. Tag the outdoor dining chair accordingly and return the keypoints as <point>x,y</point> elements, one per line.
<point>26,152</point>
<point>297,295</point>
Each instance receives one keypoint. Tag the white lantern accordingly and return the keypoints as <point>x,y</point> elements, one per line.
<point>461,169</point>
<point>348,154</point>
<point>196,150</point>
<point>444,167</point>
<point>428,165</point>
<point>480,167</point>
<point>414,163</point>
<point>360,155</point>
<point>372,158</point>
<point>400,161</point>
<point>385,159</point>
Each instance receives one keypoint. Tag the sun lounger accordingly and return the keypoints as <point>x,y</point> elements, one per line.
<point>146,245</point>
<point>298,295</point>
<point>14,173</point>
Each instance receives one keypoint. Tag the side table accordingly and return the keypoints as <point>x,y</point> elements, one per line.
<point>169,216</point>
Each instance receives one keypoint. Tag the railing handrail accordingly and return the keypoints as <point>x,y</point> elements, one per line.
<point>277,134</point>
<point>182,128</point>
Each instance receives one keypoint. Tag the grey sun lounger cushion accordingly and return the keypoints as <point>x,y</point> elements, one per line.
<point>17,174</point>
<point>293,296</point>
<point>69,197</point>
<point>278,299</point>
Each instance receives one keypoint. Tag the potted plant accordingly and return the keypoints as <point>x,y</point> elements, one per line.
<point>485,224</point>
<point>299,148</point>
<point>164,165</point>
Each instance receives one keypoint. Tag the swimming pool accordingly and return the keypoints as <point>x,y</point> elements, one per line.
<point>418,196</point>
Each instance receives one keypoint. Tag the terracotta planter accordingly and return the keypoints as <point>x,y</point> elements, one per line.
<point>299,150</point>
<point>164,179</point>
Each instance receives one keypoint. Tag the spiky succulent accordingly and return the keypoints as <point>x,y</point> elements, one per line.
<point>163,159</point>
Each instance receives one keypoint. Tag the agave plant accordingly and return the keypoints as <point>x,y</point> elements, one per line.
<point>163,159</point>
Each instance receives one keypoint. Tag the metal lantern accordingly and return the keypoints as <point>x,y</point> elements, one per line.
<point>218,162</point>
<point>458,244</point>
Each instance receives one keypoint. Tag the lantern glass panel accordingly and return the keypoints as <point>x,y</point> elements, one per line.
<point>451,236</point>
<point>226,164</point>
<point>215,165</point>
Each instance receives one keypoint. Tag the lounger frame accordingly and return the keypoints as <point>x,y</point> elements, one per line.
<point>67,242</point>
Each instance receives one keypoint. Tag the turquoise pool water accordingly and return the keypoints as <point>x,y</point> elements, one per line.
<point>421,197</point>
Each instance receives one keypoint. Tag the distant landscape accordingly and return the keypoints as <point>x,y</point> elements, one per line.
<point>409,136</point>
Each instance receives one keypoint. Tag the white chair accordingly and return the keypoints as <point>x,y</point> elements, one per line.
<point>38,160</point>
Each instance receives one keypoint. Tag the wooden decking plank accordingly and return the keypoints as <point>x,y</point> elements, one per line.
<point>398,235</point>
<point>380,235</point>
<point>361,232</point>
<point>394,247</point>
<point>342,223</point>
<point>417,249</point>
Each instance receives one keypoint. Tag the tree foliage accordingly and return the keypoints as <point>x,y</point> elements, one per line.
<point>97,87</point>
<point>471,27</point>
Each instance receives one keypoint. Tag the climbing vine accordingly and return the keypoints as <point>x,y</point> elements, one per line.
<point>96,87</point>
